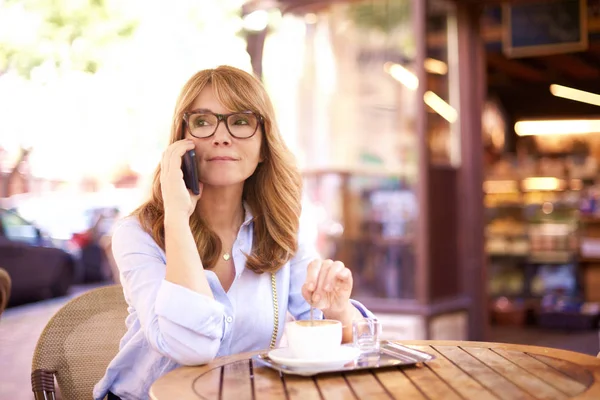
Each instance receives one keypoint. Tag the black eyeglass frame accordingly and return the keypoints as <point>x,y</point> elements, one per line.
<point>222,117</point>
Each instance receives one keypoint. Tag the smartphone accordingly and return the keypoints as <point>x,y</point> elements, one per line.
<point>190,171</point>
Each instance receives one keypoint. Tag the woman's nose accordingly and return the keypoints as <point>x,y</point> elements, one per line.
<point>221,135</point>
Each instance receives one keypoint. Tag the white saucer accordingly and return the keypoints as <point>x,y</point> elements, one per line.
<point>343,355</point>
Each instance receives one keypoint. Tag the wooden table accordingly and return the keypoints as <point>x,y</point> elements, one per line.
<point>462,370</point>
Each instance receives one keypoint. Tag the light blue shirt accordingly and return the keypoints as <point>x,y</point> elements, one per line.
<point>169,325</point>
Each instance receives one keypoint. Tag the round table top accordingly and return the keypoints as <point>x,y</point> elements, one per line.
<point>461,370</point>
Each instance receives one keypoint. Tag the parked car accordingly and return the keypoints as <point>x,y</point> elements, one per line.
<point>92,246</point>
<point>37,267</point>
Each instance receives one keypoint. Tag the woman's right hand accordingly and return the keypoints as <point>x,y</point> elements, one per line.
<point>177,198</point>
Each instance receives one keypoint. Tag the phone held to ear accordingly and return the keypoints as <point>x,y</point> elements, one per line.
<point>190,171</point>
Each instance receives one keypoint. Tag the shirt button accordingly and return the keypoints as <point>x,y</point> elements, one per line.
<point>228,319</point>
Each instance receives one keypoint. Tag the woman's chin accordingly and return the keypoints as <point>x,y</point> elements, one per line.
<point>223,181</point>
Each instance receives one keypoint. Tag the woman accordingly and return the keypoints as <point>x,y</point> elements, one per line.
<point>201,272</point>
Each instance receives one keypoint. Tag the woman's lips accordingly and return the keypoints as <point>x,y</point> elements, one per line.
<point>224,158</point>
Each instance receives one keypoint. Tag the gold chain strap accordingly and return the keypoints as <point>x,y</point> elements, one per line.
<point>275,312</point>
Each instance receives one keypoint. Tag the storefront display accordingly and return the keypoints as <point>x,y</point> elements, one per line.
<point>540,207</point>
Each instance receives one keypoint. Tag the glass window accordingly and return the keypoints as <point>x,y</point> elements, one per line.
<point>442,95</point>
<point>343,82</point>
<point>16,228</point>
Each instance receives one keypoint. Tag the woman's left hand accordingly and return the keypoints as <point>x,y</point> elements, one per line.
<point>328,286</point>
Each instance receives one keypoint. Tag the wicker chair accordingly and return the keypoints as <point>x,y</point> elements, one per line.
<point>5,284</point>
<point>78,343</point>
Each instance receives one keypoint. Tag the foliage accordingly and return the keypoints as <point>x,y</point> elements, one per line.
<point>384,16</point>
<point>68,34</point>
<point>103,75</point>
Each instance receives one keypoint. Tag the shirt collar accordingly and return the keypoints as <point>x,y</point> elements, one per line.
<point>248,217</point>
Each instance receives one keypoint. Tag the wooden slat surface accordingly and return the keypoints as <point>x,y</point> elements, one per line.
<point>397,383</point>
<point>497,384</point>
<point>461,370</point>
<point>567,368</point>
<point>333,387</point>
<point>366,386</point>
<point>537,388</point>
<point>209,384</point>
<point>548,374</point>
<point>267,382</point>
<point>301,388</point>
<point>430,383</point>
<point>236,381</point>
<point>462,382</point>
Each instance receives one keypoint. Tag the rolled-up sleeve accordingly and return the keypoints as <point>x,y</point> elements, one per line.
<point>362,309</point>
<point>177,322</point>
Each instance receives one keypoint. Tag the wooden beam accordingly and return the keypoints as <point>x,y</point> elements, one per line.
<point>490,34</point>
<point>498,79</point>
<point>593,52</point>
<point>571,66</point>
<point>536,102</point>
<point>543,89</point>
<point>470,212</point>
<point>423,244</point>
<point>515,68</point>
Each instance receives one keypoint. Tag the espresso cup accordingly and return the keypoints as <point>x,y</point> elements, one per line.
<point>314,340</point>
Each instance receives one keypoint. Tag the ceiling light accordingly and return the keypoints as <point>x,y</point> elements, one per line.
<point>575,94</point>
<point>410,80</point>
<point>402,75</point>
<point>435,66</point>
<point>557,127</point>
<point>440,106</point>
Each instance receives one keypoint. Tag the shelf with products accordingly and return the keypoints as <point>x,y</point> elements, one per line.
<point>539,225</point>
<point>505,230</point>
<point>589,254</point>
<point>532,240</point>
<point>547,192</point>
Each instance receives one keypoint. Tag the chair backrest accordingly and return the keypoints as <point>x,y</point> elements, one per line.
<point>5,284</point>
<point>79,342</point>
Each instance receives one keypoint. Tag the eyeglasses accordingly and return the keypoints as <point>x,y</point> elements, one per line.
<point>204,123</point>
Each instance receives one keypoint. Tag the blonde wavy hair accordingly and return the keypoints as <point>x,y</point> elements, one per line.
<point>272,192</point>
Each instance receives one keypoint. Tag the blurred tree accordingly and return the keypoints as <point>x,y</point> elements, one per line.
<point>14,172</point>
<point>59,33</point>
<point>101,72</point>
<point>384,16</point>
<point>56,34</point>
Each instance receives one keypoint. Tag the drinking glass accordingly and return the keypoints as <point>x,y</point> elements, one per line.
<point>366,333</point>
